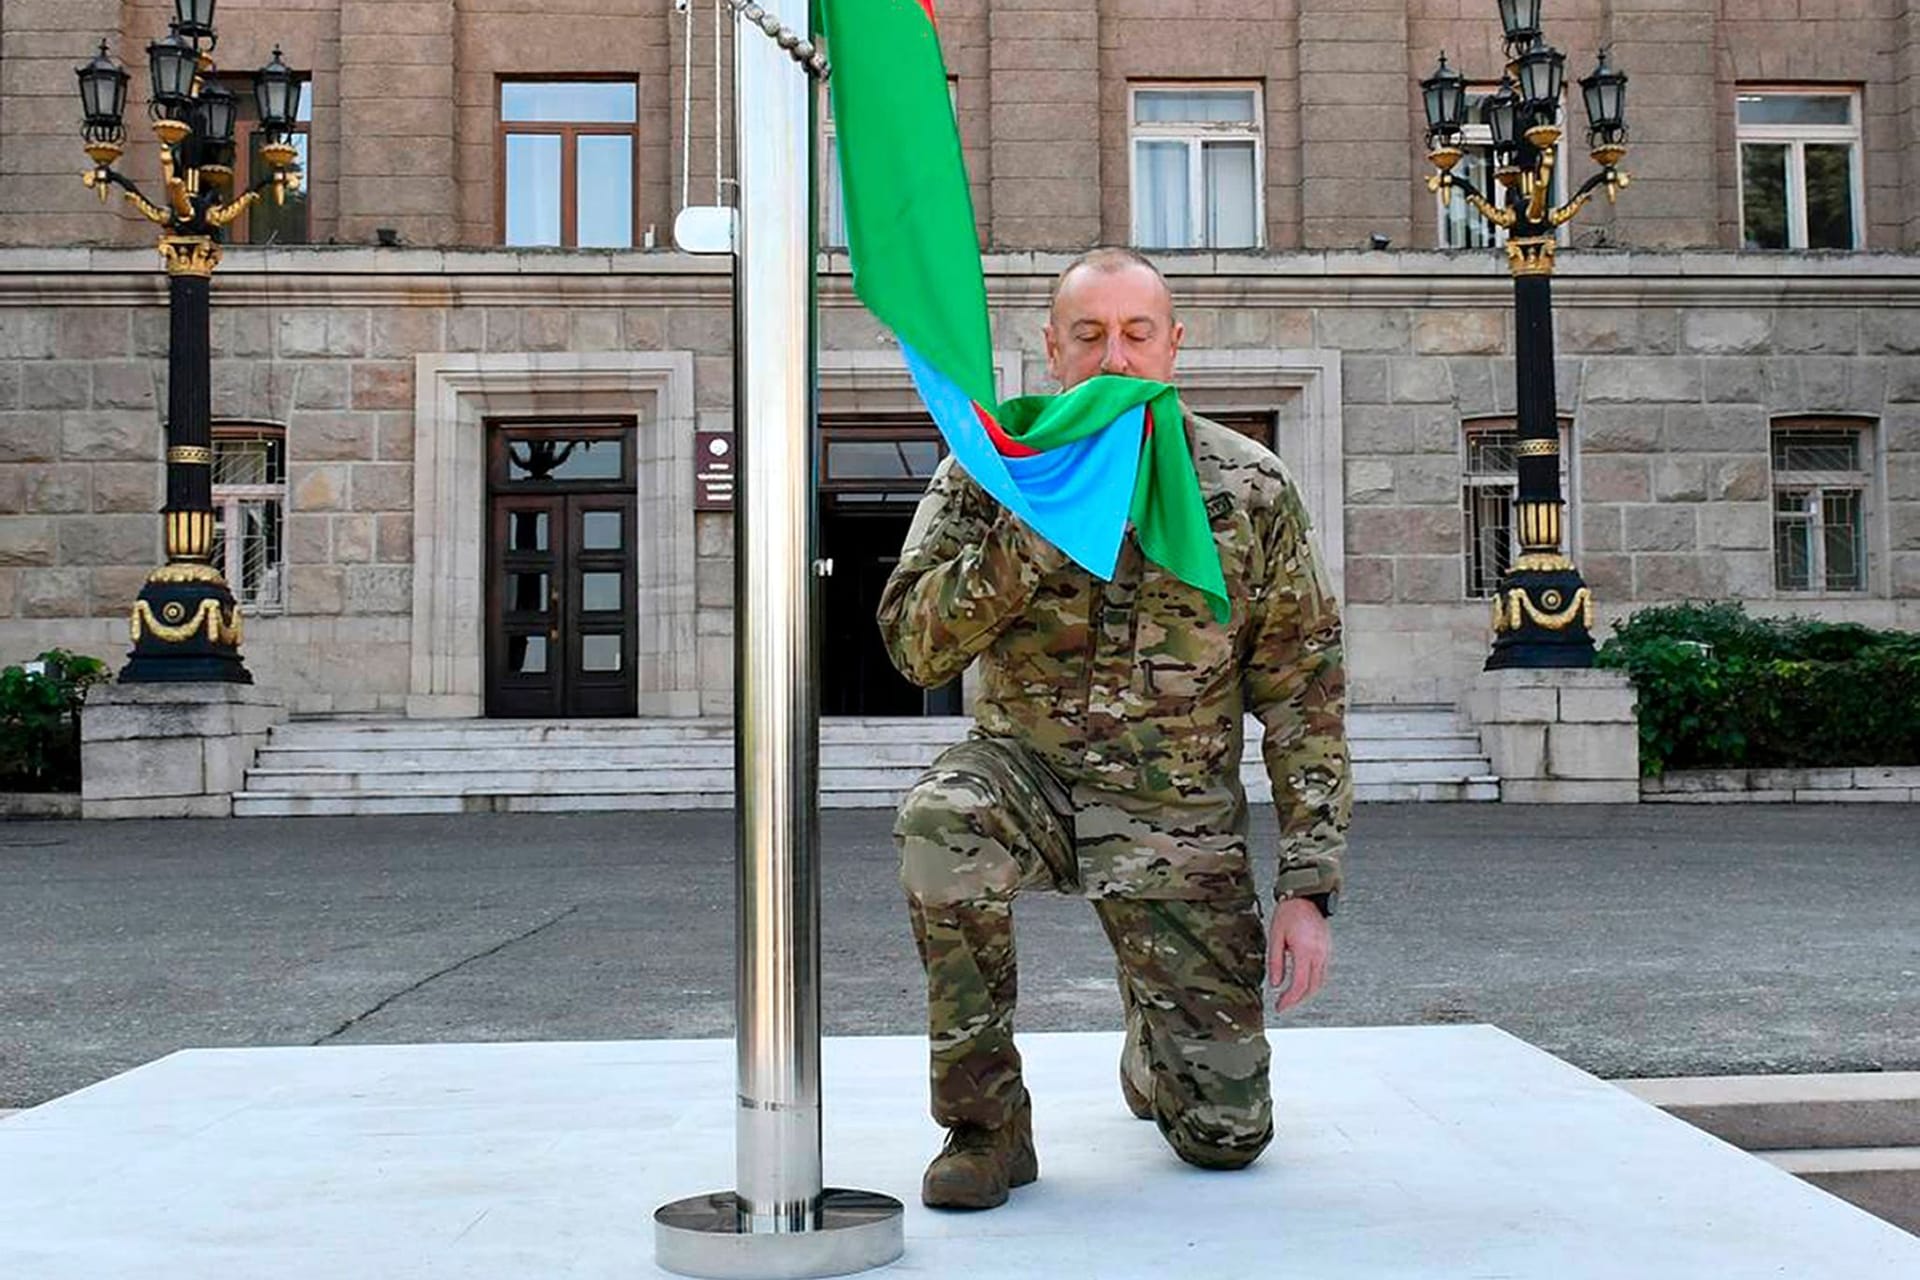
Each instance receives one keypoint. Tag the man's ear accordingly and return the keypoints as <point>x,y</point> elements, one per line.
<point>1053,350</point>
<point>1176,336</point>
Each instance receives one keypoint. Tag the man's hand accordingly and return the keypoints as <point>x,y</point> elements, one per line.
<point>1299,946</point>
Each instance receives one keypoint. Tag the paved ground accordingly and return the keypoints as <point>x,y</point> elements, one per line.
<point>1634,941</point>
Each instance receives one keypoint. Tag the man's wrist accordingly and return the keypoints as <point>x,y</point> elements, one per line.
<point>1326,902</point>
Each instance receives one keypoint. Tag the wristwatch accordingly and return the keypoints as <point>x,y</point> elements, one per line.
<point>1327,902</point>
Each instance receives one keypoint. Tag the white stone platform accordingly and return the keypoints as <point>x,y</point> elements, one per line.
<point>1430,1152</point>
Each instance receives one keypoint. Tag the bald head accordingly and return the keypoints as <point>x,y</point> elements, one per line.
<point>1107,259</point>
<point>1111,312</point>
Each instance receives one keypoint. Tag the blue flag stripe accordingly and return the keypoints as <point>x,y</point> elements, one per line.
<point>1076,496</point>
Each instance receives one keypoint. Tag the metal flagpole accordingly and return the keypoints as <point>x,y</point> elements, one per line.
<point>779,1221</point>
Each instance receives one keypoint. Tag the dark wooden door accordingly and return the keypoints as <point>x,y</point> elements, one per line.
<point>561,609</point>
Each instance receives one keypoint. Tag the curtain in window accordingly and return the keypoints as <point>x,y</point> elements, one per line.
<point>1161,213</point>
<point>1227,171</point>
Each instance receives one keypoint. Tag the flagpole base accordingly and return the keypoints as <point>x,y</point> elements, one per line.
<point>704,1236</point>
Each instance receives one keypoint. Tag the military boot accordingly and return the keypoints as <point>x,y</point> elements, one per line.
<point>978,1165</point>
<point>1136,1072</point>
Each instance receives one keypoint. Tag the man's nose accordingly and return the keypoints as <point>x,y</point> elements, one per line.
<point>1114,358</point>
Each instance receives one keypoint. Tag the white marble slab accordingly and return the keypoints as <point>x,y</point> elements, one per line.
<point>1431,1152</point>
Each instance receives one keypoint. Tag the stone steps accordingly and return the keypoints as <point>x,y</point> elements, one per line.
<point>312,767</point>
<point>1855,1135</point>
<point>1447,757</point>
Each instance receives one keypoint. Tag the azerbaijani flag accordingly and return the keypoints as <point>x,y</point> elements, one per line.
<point>1076,466</point>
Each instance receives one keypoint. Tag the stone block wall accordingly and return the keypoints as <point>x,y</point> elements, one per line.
<point>396,158</point>
<point>405,118</point>
<point>1845,43</point>
<point>41,42</point>
<point>566,38</point>
<point>1558,737</point>
<point>80,444</point>
<point>1143,41</point>
<point>1044,78</point>
<point>82,390</point>
<point>1356,131</point>
<point>1671,368</point>
<point>1904,130</point>
<point>171,750</point>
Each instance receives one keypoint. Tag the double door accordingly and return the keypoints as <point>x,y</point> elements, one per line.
<point>561,610</point>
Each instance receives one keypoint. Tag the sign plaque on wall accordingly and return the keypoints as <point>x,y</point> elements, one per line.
<point>713,471</point>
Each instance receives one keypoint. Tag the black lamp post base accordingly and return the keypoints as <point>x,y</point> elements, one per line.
<point>185,627</point>
<point>1542,618</point>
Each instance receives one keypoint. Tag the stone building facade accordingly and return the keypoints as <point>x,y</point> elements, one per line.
<point>1741,423</point>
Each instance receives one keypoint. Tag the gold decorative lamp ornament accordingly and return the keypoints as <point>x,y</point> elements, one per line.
<point>1543,610</point>
<point>186,624</point>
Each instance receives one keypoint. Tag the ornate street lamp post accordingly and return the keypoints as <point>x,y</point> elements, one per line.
<point>1543,610</point>
<point>186,624</point>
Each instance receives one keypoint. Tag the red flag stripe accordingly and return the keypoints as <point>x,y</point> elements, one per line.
<point>1006,444</point>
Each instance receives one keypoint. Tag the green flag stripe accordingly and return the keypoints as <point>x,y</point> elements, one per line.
<point>910,229</point>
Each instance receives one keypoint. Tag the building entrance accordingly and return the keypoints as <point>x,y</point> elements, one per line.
<point>872,475</point>
<point>561,612</point>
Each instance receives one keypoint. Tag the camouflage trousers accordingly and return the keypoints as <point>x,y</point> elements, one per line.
<point>987,822</point>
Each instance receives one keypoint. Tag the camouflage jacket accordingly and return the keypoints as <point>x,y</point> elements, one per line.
<point>1129,692</point>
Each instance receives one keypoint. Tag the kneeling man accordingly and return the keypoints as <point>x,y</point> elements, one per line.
<point>1105,762</point>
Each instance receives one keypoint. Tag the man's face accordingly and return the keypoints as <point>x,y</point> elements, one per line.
<point>1112,321</point>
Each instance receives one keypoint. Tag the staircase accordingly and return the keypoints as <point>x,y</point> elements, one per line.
<point>312,767</point>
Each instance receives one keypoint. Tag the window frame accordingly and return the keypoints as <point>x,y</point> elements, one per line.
<point>227,501</point>
<point>246,125</point>
<point>569,133</point>
<point>1795,137</point>
<point>869,428</point>
<point>1471,480</point>
<point>1864,480</point>
<point>1195,133</point>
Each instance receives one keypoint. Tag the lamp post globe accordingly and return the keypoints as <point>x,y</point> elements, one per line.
<point>1444,94</point>
<point>103,104</point>
<point>276,96</point>
<point>214,115</point>
<point>1605,93</point>
<point>172,64</point>
<point>1542,71</point>
<point>194,18</point>
<point>1520,19</point>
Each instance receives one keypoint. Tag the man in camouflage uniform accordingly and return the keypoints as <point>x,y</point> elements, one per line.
<point>1105,762</point>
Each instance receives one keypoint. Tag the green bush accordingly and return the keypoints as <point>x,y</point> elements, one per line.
<point>1720,689</point>
<point>40,720</point>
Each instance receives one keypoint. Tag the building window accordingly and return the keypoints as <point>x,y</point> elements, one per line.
<point>1460,225</point>
<point>1197,165</point>
<point>1489,493</point>
<point>1822,478</point>
<point>249,511</point>
<point>567,152</point>
<point>1800,185</point>
<point>268,222</point>
<point>877,461</point>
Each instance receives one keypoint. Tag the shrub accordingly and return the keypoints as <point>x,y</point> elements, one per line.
<point>1720,689</point>
<point>40,720</point>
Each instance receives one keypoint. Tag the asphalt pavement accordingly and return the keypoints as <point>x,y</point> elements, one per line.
<point>1652,940</point>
